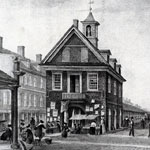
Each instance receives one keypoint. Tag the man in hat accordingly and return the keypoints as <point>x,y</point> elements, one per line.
<point>39,130</point>
<point>131,132</point>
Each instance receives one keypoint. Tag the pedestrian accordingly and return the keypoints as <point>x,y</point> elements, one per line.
<point>93,128</point>
<point>7,135</point>
<point>65,131</point>
<point>39,130</point>
<point>22,126</point>
<point>131,132</point>
<point>143,123</point>
<point>103,125</point>
<point>58,126</point>
<point>32,123</point>
<point>29,135</point>
<point>78,130</point>
<point>75,128</point>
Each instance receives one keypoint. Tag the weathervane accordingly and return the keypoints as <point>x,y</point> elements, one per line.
<point>90,3</point>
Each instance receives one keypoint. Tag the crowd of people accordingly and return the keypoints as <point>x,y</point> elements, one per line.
<point>30,132</point>
<point>27,132</point>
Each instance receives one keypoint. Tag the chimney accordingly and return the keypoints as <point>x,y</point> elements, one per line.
<point>75,22</point>
<point>1,42</point>
<point>38,58</point>
<point>21,51</point>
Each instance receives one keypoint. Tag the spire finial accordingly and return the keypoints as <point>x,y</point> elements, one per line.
<point>90,3</point>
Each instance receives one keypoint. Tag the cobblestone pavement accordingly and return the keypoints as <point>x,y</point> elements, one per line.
<point>115,141</point>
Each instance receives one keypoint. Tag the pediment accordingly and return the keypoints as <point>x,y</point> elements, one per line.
<point>73,47</point>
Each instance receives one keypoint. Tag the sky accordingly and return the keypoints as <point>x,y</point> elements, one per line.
<point>124,29</point>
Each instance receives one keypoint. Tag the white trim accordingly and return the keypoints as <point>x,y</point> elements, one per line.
<point>68,80</point>
<point>94,73</point>
<point>53,73</point>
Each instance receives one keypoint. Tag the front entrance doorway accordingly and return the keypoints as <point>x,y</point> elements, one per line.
<point>73,111</point>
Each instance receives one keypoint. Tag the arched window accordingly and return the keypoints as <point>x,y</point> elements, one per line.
<point>88,30</point>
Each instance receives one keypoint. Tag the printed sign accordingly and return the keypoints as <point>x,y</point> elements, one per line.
<point>96,106</point>
<point>50,119</point>
<point>55,113</point>
<point>91,108</point>
<point>87,108</point>
<point>96,112</point>
<point>53,105</point>
<point>48,109</point>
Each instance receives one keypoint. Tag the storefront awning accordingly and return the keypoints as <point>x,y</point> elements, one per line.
<point>83,117</point>
<point>78,117</point>
<point>91,117</point>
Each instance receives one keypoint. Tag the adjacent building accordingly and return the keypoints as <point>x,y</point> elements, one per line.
<point>32,91</point>
<point>133,110</point>
<point>82,81</point>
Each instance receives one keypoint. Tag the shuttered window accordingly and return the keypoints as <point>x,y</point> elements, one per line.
<point>92,81</point>
<point>57,81</point>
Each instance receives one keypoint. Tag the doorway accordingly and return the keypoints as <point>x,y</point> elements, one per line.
<point>75,83</point>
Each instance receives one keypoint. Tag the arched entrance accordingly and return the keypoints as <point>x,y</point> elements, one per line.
<point>75,110</point>
<point>114,119</point>
<point>109,119</point>
<point>120,118</point>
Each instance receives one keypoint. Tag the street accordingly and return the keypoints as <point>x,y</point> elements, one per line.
<point>115,141</point>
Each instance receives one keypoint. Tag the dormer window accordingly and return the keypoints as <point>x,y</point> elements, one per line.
<point>88,30</point>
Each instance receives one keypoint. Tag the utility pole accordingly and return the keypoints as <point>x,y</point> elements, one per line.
<point>14,105</point>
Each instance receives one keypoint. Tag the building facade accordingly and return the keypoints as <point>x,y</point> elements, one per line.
<point>131,110</point>
<point>32,91</point>
<point>82,80</point>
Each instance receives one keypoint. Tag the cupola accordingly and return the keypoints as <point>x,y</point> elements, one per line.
<point>90,29</point>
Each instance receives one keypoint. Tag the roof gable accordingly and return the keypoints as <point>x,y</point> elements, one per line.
<point>65,40</point>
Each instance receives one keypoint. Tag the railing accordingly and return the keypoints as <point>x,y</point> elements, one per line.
<point>73,96</point>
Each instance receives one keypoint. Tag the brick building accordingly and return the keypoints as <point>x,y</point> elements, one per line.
<point>82,80</point>
<point>32,93</point>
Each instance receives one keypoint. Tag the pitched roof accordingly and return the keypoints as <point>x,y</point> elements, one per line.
<point>132,108</point>
<point>72,30</point>
<point>90,18</point>
<point>5,78</point>
<point>33,64</point>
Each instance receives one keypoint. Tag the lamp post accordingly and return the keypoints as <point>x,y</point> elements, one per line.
<point>14,105</point>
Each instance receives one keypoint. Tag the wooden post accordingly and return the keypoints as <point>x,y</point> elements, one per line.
<point>15,143</point>
<point>14,105</point>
